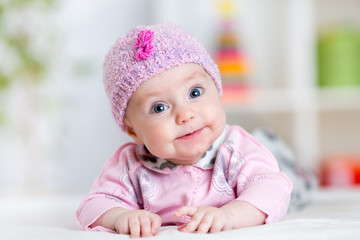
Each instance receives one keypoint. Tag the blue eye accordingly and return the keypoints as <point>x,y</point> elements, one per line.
<point>158,108</point>
<point>196,92</point>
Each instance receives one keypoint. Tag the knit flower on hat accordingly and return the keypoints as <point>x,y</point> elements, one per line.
<point>144,44</point>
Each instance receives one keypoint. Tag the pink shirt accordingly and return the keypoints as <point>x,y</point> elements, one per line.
<point>242,170</point>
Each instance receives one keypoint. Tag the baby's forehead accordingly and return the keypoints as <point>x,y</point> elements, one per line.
<point>183,73</point>
<point>180,75</point>
<point>168,80</point>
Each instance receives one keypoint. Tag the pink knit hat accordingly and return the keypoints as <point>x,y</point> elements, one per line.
<point>147,51</point>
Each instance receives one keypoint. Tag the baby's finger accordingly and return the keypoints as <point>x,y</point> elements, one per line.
<point>155,223</point>
<point>134,226</point>
<point>192,225</point>
<point>122,227</point>
<point>217,225</point>
<point>185,211</point>
<point>205,224</point>
<point>145,226</point>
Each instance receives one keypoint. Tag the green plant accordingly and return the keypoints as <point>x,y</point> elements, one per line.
<point>20,60</point>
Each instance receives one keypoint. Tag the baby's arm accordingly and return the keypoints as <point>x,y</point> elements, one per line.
<point>134,222</point>
<point>234,215</point>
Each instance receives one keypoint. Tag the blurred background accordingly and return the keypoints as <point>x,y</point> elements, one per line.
<point>290,65</point>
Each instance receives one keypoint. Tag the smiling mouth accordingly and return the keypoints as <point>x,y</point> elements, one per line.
<point>190,135</point>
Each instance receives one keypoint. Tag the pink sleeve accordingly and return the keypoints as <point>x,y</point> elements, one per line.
<point>271,196</point>
<point>260,182</point>
<point>111,189</point>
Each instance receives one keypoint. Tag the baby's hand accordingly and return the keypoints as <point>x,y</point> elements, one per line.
<point>137,223</point>
<point>205,219</point>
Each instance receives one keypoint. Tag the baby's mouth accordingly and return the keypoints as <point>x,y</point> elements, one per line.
<point>190,135</point>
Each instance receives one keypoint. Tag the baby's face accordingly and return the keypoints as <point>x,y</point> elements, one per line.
<point>177,115</point>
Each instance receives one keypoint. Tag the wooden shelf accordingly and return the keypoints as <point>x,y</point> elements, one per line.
<point>283,100</point>
<point>338,99</point>
<point>263,101</point>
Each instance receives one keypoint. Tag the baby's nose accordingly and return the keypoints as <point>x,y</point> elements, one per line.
<point>184,115</point>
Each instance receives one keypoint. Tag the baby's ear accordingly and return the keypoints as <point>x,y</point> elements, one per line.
<point>130,131</point>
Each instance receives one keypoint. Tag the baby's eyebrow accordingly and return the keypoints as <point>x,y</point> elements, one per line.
<point>144,98</point>
<point>195,75</point>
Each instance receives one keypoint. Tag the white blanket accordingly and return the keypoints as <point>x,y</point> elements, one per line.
<point>334,214</point>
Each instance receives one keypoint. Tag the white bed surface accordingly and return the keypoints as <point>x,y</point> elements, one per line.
<point>334,214</point>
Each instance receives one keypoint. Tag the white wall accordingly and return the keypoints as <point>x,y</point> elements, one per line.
<point>69,131</point>
<point>90,135</point>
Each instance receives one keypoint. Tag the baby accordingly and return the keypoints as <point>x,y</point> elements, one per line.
<point>186,166</point>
